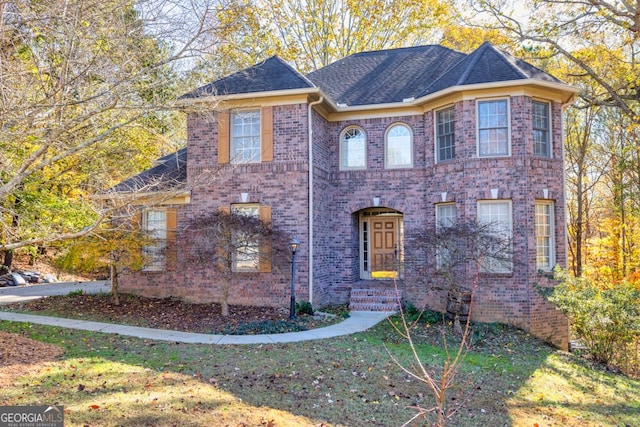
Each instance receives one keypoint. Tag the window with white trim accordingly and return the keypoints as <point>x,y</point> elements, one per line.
<point>445,218</point>
<point>445,134</point>
<point>545,235</point>
<point>154,222</point>
<point>398,147</point>
<point>493,128</point>
<point>541,129</point>
<point>247,247</point>
<point>245,136</point>
<point>495,217</point>
<point>353,149</point>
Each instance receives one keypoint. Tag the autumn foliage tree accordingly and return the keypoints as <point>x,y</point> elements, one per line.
<point>236,243</point>
<point>591,44</point>
<point>313,34</point>
<point>85,86</point>
<point>121,251</point>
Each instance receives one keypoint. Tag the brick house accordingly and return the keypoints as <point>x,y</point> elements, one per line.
<point>354,158</point>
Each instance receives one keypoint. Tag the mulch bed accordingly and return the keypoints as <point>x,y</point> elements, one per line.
<point>171,314</point>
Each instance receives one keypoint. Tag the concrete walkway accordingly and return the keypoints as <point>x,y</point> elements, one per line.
<point>358,322</point>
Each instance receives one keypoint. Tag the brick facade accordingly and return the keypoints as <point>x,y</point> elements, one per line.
<point>340,196</point>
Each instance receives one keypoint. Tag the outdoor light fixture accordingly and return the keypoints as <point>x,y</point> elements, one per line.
<point>294,244</point>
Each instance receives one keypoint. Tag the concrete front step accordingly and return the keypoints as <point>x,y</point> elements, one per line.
<point>375,300</point>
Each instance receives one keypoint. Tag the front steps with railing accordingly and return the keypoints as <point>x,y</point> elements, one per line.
<point>371,299</point>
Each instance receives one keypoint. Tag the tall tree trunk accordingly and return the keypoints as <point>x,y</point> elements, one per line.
<point>579,226</point>
<point>224,301</point>
<point>15,223</point>
<point>6,261</point>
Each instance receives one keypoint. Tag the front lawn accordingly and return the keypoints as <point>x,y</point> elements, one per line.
<point>508,379</point>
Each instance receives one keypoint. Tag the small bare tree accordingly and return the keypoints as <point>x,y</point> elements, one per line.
<point>450,258</point>
<point>236,242</point>
<point>453,258</point>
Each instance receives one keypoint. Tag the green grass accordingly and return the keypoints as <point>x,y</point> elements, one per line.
<point>508,379</point>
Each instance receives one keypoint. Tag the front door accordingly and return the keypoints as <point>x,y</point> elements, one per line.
<point>384,247</point>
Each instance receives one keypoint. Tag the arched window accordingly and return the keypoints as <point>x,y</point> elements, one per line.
<point>353,149</point>
<point>398,147</point>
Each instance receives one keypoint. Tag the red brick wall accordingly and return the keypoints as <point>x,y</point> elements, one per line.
<point>339,196</point>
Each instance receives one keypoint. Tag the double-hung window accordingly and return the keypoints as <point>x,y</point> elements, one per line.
<point>246,256</point>
<point>541,129</point>
<point>245,136</point>
<point>493,128</point>
<point>494,218</point>
<point>154,223</point>
<point>544,234</point>
<point>353,149</point>
<point>445,218</point>
<point>445,136</point>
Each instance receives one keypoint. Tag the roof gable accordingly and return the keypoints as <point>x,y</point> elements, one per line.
<point>167,173</point>
<point>487,65</point>
<point>273,74</point>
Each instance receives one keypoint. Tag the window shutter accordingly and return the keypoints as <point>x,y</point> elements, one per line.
<point>223,137</point>
<point>267,134</point>
<point>171,254</point>
<point>265,246</point>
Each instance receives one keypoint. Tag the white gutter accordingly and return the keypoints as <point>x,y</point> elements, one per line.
<point>414,102</point>
<point>310,130</point>
<point>213,98</point>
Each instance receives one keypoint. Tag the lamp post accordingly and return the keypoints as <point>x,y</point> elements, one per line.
<point>294,248</point>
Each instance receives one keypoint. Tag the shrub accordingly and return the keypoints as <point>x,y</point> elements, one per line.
<point>414,315</point>
<point>265,327</point>
<point>606,320</point>
<point>341,311</point>
<point>304,307</point>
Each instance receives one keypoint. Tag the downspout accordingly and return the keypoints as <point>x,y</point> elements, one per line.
<point>310,240</point>
<point>564,107</point>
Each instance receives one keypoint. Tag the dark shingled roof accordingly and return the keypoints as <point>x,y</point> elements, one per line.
<point>270,75</point>
<point>384,76</point>
<point>167,173</point>
<point>367,78</point>
<point>487,65</point>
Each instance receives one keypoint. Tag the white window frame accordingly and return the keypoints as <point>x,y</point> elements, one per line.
<point>545,235</point>
<point>154,222</point>
<point>504,228</point>
<point>344,149</point>
<point>549,153</point>
<point>437,134</point>
<point>388,153</point>
<point>444,219</point>
<point>249,260</point>
<point>480,129</point>
<point>245,137</point>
